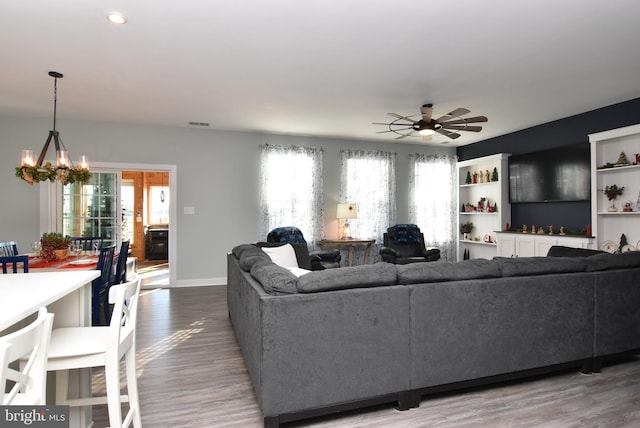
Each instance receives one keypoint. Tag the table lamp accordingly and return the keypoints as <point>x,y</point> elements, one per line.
<point>346,211</point>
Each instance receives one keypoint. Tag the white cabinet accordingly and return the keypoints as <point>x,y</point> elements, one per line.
<point>608,226</point>
<point>516,244</point>
<point>483,201</point>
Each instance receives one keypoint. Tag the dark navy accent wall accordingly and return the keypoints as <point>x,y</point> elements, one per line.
<point>570,130</point>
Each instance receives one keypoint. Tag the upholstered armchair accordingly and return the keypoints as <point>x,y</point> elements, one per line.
<point>404,243</point>
<point>320,259</point>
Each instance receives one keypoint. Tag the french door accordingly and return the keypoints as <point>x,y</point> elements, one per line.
<point>92,209</point>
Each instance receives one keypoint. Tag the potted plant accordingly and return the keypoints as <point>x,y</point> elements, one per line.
<point>612,193</point>
<point>54,246</point>
<point>466,229</point>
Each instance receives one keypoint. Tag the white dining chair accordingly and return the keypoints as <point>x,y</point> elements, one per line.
<point>84,347</point>
<point>26,348</point>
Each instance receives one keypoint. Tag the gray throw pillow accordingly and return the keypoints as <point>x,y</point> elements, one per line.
<point>608,261</point>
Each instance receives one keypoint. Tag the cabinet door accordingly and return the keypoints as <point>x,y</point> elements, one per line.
<point>506,245</point>
<point>543,244</point>
<point>525,246</point>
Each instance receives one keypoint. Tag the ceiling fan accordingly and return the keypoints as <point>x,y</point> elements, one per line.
<point>425,126</point>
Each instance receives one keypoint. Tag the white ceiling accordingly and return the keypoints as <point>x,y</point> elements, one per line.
<point>311,67</point>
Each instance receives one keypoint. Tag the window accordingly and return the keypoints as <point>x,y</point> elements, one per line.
<point>432,200</point>
<point>368,180</point>
<point>291,193</point>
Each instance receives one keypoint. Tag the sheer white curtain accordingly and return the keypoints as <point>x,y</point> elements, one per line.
<point>368,179</point>
<point>432,200</point>
<point>291,193</point>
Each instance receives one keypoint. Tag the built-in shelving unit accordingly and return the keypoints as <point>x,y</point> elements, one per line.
<point>496,212</point>
<point>608,226</point>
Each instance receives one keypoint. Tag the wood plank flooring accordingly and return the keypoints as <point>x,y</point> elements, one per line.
<point>191,374</point>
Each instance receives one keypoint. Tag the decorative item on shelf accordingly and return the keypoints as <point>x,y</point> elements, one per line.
<point>627,207</point>
<point>487,176</point>
<point>550,229</point>
<point>541,230</point>
<point>612,193</point>
<point>623,243</point>
<point>622,160</point>
<point>466,230</point>
<point>55,246</point>
<point>346,211</point>
<point>507,227</point>
<point>466,255</point>
<point>468,180</point>
<point>637,161</point>
<point>470,208</point>
<point>533,229</point>
<point>33,171</point>
<point>494,174</point>
<point>481,204</point>
<point>524,228</point>
<point>562,230</point>
<point>475,178</point>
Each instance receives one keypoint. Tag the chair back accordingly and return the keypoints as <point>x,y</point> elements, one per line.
<point>87,242</point>
<point>101,284</point>
<point>29,344</point>
<point>122,327</point>
<point>9,248</point>
<point>406,239</point>
<point>14,261</point>
<point>286,234</point>
<point>121,267</point>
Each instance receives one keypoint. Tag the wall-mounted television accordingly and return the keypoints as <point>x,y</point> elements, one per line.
<point>554,175</point>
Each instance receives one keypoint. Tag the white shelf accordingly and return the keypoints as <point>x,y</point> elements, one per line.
<point>606,148</point>
<point>494,192</point>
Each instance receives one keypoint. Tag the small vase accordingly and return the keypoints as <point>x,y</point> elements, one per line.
<point>612,206</point>
<point>61,254</point>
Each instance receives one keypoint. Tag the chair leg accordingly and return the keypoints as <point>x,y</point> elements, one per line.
<point>112,381</point>
<point>132,387</point>
<point>62,387</point>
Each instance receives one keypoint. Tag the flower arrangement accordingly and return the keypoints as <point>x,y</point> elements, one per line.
<point>51,242</point>
<point>613,191</point>
<point>36,174</point>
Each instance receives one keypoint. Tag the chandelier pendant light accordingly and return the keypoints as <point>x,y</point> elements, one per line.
<point>33,171</point>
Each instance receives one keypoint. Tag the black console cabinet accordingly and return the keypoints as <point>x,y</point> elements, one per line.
<point>156,242</point>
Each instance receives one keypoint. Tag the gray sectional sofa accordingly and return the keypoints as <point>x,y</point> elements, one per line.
<point>340,339</point>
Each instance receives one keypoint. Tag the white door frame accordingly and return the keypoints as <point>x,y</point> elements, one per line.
<point>49,204</point>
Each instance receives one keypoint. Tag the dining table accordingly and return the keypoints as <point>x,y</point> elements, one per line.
<point>67,294</point>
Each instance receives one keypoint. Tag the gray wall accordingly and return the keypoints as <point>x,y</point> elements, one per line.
<point>217,173</point>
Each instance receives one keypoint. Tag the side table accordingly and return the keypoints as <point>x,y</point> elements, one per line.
<point>351,243</point>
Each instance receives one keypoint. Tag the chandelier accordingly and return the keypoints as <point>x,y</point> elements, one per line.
<point>33,171</point>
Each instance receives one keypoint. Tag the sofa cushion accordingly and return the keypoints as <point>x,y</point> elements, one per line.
<point>274,279</point>
<point>608,261</point>
<point>562,251</point>
<point>416,273</point>
<point>523,266</point>
<point>301,249</point>
<point>373,275</point>
<point>248,254</point>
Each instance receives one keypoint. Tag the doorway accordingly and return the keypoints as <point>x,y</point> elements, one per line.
<point>162,183</point>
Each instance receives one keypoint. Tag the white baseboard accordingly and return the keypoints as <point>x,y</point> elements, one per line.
<point>201,282</point>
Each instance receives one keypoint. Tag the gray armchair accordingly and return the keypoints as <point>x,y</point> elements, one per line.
<point>320,259</point>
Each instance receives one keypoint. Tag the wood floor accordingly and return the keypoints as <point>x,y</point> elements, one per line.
<point>191,374</point>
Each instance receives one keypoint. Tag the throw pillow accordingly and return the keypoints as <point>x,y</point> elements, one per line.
<point>283,255</point>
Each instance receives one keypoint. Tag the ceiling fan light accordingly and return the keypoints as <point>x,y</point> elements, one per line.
<point>425,132</point>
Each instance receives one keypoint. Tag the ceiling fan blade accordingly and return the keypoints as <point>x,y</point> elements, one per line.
<point>475,119</point>
<point>455,113</point>
<point>395,130</point>
<point>405,135</point>
<point>426,112</point>
<point>446,133</point>
<point>462,127</point>
<point>402,117</point>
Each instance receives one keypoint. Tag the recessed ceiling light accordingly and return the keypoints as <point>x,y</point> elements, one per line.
<point>116,17</point>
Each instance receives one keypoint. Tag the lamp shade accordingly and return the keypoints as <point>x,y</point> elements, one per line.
<point>347,211</point>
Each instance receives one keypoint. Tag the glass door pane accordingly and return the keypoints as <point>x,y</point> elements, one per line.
<point>91,209</point>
